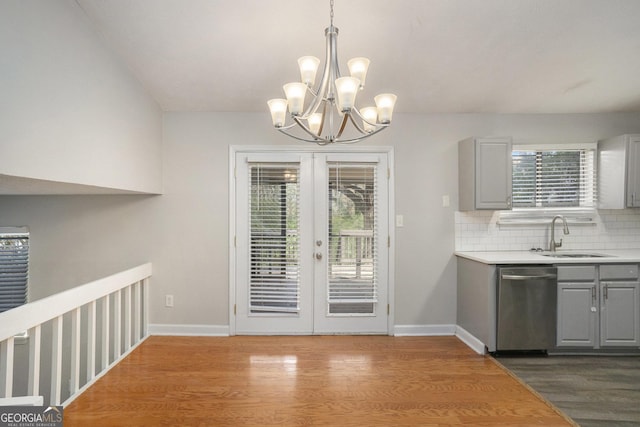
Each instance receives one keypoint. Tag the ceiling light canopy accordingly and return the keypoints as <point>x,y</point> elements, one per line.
<point>330,105</point>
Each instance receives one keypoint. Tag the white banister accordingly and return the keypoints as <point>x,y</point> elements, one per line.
<point>145,306</point>
<point>56,361</point>
<point>91,340</point>
<point>117,324</point>
<point>73,303</point>
<point>76,326</point>
<point>104,359</point>
<point>33,385</point>
<point>45,309</point>
<point>137,313</point>
<point>6,367</point>
<point>127,318</point>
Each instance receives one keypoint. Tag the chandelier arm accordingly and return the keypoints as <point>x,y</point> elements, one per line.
<point>299,138</point>
<point>324,141</point>
<point>324,114</point>
<point>306,129</point>
<point>330,73</point>
<point>376,124</point>
<point>357,126</point>
<point>343,125</point>
<point>362,138</point>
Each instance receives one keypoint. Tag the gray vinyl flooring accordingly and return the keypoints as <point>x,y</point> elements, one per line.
<point>602,391</point>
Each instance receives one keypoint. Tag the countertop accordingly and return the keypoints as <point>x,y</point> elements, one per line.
<point>615,256</point>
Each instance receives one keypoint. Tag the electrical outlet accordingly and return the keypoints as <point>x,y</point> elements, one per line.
<point>168,300</point>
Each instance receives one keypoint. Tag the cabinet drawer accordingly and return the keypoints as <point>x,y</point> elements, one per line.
<point>613,272</point>
<point>573,273</point>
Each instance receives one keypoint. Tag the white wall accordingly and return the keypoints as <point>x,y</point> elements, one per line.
<point>69,110</point>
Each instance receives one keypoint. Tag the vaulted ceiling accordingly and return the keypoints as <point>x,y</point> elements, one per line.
<point>438,56</point>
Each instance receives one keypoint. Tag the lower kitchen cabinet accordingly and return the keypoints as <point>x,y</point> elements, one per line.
<point>577,315</point>
<point>619,314</point>
<point>598,306</point>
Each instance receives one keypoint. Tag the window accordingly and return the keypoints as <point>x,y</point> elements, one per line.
<point>552,178</point>
<point>14,267</point>
<point>275,249</point>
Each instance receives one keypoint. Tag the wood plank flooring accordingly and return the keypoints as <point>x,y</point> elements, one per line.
<point>595,391</point>
<point>311,380</point>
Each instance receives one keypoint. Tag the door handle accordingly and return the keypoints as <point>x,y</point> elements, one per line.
<point>318,256</point>
<point>521,277</point>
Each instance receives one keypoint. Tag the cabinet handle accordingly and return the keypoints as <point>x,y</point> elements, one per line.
<point>606,291</point>
<point>593,294</point>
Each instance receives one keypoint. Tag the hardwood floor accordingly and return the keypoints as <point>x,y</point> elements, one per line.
<point>595,391</point>
<point>311,380</point>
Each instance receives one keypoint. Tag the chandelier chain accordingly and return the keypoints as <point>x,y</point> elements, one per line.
<point>331,13</point>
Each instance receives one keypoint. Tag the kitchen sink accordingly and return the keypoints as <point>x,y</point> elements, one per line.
<point>574,255</point>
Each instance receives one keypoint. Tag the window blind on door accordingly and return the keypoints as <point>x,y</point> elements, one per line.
<point>274,283</point>
<point>14,268</point>
<point>554,178</point>
<point>353,235</point>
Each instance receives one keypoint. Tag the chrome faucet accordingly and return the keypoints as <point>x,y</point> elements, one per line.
<point>552,244</point>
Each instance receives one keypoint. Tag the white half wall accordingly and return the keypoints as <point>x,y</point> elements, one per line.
<point>70,111</point>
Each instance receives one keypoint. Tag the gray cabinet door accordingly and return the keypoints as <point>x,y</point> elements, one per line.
<point>577,315</point>
<point>633,172</point>
<point>620,314</point>
<point>493,173</point>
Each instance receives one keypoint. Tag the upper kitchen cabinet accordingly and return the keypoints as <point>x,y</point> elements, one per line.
<point>485,169</point>
<point>619,172</point>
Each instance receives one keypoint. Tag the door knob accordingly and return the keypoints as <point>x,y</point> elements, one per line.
<point>318,256</point>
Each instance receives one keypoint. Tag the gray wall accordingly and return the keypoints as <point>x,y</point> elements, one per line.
<point>184,232</point>
<point>193,212</point>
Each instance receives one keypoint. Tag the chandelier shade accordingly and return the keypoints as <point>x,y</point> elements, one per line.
<point>331,104</point>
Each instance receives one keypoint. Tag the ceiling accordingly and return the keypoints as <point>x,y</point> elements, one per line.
<point>438,56</point>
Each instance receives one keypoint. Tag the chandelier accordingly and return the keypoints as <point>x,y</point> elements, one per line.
<point>332,102</point>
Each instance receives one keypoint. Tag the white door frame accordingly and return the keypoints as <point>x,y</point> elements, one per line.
<point>234,149</point>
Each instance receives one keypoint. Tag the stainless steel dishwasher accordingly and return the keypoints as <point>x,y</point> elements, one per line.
<point>527,304</point>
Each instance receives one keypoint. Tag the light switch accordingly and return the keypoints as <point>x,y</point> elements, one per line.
<point>446,202</point>
<point>399,221</point>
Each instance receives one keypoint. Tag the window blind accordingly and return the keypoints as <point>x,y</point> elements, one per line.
<point>274,284</point>
<point>14,269</point>
<point>554,178</point>
<point>353,235</point>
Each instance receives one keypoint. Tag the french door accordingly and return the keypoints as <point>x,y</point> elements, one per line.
<point>312,243</point>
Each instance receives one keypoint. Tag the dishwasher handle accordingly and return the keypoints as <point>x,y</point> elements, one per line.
<point>529,277</point>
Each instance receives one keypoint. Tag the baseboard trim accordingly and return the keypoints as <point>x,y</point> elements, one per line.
<point>189,330</point>
<point>424,330</point>
<point>472,342</point>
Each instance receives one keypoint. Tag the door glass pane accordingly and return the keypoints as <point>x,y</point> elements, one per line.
<point>352,261</point>
<point>274,285</point>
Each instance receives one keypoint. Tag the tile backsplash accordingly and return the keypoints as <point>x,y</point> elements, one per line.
<point>610,229</point>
